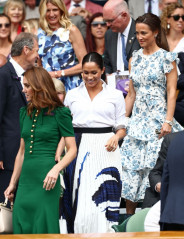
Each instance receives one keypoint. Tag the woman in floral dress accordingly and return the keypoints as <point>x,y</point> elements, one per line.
<point>151,100</point>
<point>60,43</point>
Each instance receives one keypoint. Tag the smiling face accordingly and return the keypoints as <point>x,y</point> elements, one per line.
<point>98,27</point>
<point>92,75</point>
<point>145,36</point>
<point>4,27</point>
<point>53,16</point>
<point>178,26</point>
<point>15,12</point>
<point>28,91</point>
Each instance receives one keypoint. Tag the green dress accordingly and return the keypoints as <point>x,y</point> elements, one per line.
<point>36,211</point>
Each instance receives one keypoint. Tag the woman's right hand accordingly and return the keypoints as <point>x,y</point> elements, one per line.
<point>9,192</point>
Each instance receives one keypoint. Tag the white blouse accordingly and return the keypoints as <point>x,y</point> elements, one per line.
<point>107,109</point>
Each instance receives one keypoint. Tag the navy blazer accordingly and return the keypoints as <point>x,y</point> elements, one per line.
<point>11,100</point>
<point>110,54</point>
<point>172,191</point>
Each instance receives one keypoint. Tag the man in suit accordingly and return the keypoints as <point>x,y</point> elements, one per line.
<point>120,39</point>
<point>144,6</point>
<point>172,193</point>
<point>80,23</point>
<point>24,54</point>
<point>152,194</point>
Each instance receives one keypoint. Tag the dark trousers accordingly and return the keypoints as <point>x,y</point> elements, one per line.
<point>171,227</point>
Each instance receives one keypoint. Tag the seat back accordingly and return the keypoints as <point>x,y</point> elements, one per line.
<point>136,222</point>
<point>121,227</point>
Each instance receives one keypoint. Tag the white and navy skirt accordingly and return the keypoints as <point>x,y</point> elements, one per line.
<point>92,200</point>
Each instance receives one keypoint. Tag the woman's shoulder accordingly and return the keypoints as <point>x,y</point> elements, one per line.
<point>60,111</point>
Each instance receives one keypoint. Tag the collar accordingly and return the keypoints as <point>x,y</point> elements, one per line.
<point>127,29</point>
<point>82,3</point>
<point>18,69</point>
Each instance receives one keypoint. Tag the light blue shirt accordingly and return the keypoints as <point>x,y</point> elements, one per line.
<point>154,6</point>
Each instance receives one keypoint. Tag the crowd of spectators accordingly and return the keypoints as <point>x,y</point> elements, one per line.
<point>60,54</point>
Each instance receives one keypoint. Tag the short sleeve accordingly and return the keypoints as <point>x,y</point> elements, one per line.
<point>64,120</point>
<point>23,112</point>
<point>168,59</point>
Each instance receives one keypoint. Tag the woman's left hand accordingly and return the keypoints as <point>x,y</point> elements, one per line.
<point>166,129</point>
<point>112,143</point>
<point>51,178</point>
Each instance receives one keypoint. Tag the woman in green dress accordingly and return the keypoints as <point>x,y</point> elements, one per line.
<point>43,122</point>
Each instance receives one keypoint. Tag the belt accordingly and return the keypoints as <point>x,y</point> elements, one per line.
<point>93,130</point>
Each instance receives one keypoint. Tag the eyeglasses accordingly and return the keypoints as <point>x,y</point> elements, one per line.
<point>6,25</point>
<point>112,20</point>
<point>177,17</point>
<point>95,24</point>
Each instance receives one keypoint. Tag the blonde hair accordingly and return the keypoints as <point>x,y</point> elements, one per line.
<point>60,88</point>
<point>18,3</point>
<point>64,20</point>
<point>166,13</point>
<point>31,25</point>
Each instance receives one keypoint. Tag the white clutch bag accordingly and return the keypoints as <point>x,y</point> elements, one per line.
<point>6,218</point>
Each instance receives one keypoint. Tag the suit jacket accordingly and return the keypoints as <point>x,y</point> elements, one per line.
<point>172,193</point>
<point>11,100</point>
<point>90,6</point>
<point>110,54</point>
<point>80,23</point>
<point>155,176</point>
<point>135,9</point>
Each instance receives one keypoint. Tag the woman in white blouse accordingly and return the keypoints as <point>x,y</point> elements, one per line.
<point>97,111</point>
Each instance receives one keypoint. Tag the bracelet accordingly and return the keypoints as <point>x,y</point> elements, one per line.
<point>62,73</point>
<point>56,74</point>
<point>169,122</point>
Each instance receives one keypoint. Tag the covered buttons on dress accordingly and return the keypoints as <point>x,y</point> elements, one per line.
<point>32,132</point>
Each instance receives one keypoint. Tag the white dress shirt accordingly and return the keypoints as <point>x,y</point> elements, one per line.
<point>82,4</point>
<point>18,69</point>
<point>120,63</point>
<point>154,7</point>
<point>107,109</point>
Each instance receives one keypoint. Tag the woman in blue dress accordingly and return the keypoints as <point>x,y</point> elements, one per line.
<point>61,46</point>
<point>151,100</point>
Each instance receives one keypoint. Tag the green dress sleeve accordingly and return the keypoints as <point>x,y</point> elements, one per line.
<point>23,112</point>
<point>64,120</point>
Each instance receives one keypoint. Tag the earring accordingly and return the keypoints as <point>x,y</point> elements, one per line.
<point>168,26</point>
<point>155,36</point>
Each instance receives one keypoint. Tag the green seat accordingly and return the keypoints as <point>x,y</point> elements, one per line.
<point>121,227</point>
<point>136,222</point>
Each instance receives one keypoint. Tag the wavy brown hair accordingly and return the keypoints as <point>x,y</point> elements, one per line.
<point>166,13</point>
<point>44,92</point>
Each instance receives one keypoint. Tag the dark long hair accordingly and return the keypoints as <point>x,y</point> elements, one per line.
<point>90,41</point>
<point>154,24</point>
<point>44,92</point>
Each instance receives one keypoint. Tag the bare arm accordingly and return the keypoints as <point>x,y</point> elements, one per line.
<point>130,98</point>
<point>60,149</point>
<point>16,171</point>
<point>66,160</point>
<point>171,99</point>
<point>80,51</point>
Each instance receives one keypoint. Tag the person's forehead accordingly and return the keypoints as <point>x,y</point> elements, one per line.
<point>169,1</point>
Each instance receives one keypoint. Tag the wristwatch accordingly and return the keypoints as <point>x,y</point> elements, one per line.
<point>169,122</point>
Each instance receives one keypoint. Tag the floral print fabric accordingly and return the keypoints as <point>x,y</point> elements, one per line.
<point>140,148</point>
<point>56,53</point>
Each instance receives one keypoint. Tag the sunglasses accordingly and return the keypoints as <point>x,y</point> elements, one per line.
<point>95,24</point>
<point>6,25</point>
<point>177,17</point>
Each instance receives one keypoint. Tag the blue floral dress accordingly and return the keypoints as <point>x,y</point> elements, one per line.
<point>56,53</point>
<point>140,148</point>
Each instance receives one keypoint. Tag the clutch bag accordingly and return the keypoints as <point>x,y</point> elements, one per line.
<point>6,218</point>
